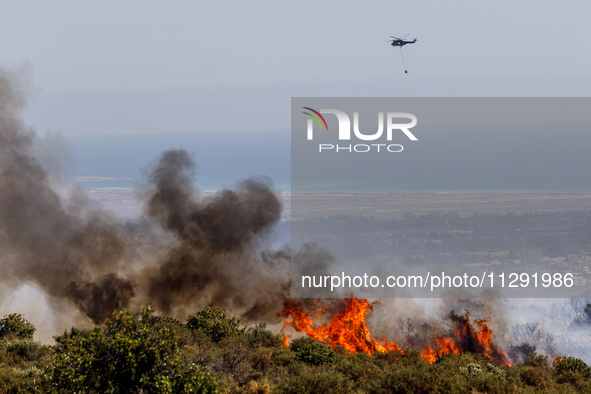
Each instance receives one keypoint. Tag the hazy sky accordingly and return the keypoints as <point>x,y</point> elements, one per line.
<point>152,66</point>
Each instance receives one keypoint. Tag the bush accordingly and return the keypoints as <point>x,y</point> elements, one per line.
<point>408,358</point>
<point>16,326</point>
<point>362,370</point>
<point>231,360</point>
<point>397,357</point>
<point>24,348</point>
<point>475,370</point>
<point>260,336</point>
<point>262,359</point>
<point>214,323</point>
<point>536,360</point>
<point>25,380</point>
<point>151,354</point>
<point>316,380</point>
<point>535,377</point>
<point>296,343</point>
<point>283,357</point>
<point>471,371</point>
<point>495,372</point>
<point>126,356</point>
<point>520,352</point>
<point>421,378</point>
<point>563,365</point>
<point>255,387</point>
<point>183,335</point>
<point>316,354</point>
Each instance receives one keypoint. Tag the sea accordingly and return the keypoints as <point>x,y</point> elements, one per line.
<point>115,169</point>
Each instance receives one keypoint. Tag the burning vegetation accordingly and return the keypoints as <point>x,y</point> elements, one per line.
<point>213,353</point>
<point>190,251</point>
<point>347,326</point>
<point>466,339</point>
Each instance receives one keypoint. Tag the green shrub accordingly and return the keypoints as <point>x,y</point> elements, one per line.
<point>231,360</point>
<point>474,370</point>
<point>421,378</point>
<point>536,377</point>
<point>315,380</point>
<point>574,379</point>
<point>26,380</point>
<point>408,358</point>
<point>536,360</point>
<point>214,323</point>
<point>24,348</point>
<point>16,326</point>
<point>296,343</point>
<point>362,370</point>
<point>126,356</point>
<point>571,364</point>
<point>471,371</point>
<point>256,387</point>
<point>262,359</point>
<point>395,357</point>
<point>9,379</point>
<point>260,336</point>
<point>283,357</point>
<point>316,354</point>
<point>183,335</point>
<point>495,372</point>
<point>151,354</point>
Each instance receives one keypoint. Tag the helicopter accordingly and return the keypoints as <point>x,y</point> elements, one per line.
<point>400,42</point>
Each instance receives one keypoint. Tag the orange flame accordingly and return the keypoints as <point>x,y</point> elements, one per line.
<point>466,339</point>
<point>346,328</point>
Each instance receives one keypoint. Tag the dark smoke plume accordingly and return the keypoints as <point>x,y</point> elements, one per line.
<point>225,222</point>
<point>194,250</point>
<point>98,300</point>
<point>216,259</point>
<point>42,242</point>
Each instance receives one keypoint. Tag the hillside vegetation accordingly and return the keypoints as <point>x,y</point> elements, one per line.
<point>212,353</point>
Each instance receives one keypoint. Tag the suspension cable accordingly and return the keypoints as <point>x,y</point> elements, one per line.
<point>403,62</point>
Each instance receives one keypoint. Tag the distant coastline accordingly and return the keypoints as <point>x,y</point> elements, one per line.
<point>394,205</point>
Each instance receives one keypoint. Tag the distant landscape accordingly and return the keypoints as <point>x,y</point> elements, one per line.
<point>456,232</point>
<point>396,205</point>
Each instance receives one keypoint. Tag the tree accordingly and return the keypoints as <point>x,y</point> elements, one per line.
<point>214,323</point>
<point>313,352</point>
<point>563,365</point>
<point>125,356</point>
<point>15,326</point>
